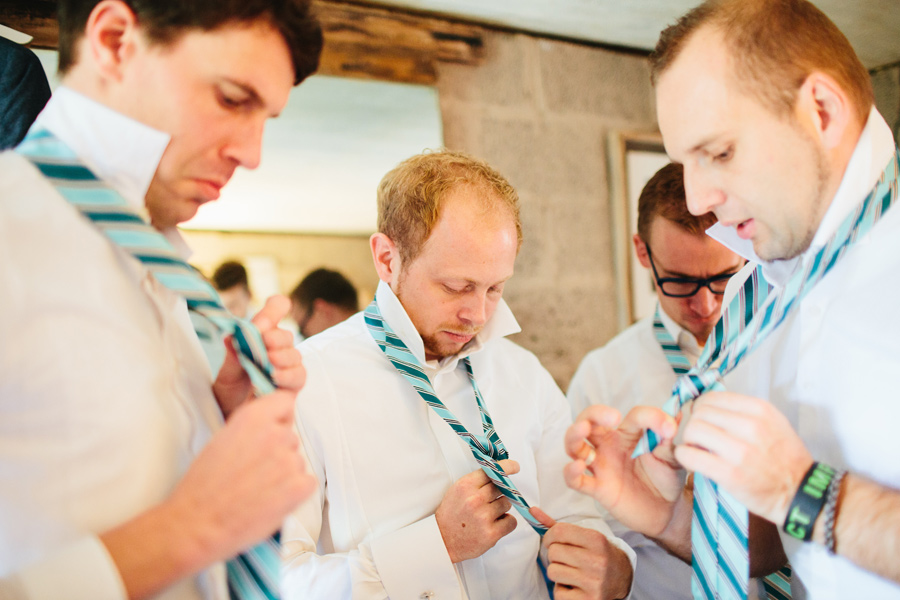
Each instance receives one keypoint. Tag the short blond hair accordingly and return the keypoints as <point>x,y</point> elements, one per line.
<point>773,46</point>
<point>410,196</point>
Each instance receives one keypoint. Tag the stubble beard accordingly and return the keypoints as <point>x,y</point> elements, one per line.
<point>434,346</point>
<point>793,244</point>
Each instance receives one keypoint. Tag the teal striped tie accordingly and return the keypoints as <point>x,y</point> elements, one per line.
<point>778,584</point>
<point>674,356</point>
<point>253,574</point>
<point>487,448</point>
<point>719,527</point>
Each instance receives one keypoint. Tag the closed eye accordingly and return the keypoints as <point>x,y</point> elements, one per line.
<point>724,156</point>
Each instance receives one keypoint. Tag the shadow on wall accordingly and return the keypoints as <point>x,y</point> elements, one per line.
<point>886,82</point>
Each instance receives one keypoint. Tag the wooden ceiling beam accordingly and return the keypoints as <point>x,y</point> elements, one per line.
<point>360,41</point>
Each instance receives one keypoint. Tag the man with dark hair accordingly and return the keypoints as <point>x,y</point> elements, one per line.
<point>231,281</point>
<point>771,113</point>
<point>121,478</point>
<point>639,365</point>
<point>24,91</point>
<point>321,300</point>
<point>429,432</point>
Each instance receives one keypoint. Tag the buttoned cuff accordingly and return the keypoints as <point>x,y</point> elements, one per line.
<point>413,562</point>
<point>83,570</point>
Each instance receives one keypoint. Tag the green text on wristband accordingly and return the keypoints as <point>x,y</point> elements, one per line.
<point>808,501</point>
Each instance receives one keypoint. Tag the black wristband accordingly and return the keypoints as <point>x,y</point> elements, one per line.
<point>808,502</point>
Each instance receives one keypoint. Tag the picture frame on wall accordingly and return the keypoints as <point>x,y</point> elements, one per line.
<point>634,158</point>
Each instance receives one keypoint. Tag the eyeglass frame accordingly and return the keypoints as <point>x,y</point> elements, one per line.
<point>700,283</point>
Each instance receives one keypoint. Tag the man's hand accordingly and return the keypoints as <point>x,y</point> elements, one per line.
<point>640,493</point>
<point>473,515</point>
<point>232,386</point>
<point>236,492</point>
<point>748,447</point>
<point>248,478</point>
<point>583,564</point>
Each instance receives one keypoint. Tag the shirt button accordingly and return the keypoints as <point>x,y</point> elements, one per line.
<point>427,596</point>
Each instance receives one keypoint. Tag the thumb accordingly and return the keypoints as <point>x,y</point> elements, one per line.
<point>545,519</point>
<point>509,466</point>
<point>274,310</point>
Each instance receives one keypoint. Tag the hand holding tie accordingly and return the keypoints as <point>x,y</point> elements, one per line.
<point>749,448</point>
<point>232,386</point>
<point>474,515</point>
<point>641,493</point>
<point>582,562</point>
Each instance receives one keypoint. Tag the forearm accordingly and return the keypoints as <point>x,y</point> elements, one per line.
<point>766,552</point>
<point>156,549</point>
<point>676,537</point>
<point>621,574</point>
<point>867,528</point>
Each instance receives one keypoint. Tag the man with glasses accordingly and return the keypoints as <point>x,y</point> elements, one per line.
<point>691,271</point>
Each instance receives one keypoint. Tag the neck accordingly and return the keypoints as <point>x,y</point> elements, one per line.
<point>837,160</point>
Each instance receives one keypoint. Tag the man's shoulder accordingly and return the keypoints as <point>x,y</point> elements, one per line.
<point>339,339</point>
<point>17,173</point>
<point>636,338</point>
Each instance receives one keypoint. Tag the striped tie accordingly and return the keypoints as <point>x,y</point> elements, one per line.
<point>719,527</point>
<point>778,584</point>
<point>486,448</point>
<point>675,357</point>
<point>253,574</point>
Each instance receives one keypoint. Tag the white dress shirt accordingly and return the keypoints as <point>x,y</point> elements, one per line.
<point>834,365</point>
<point>105,396</point>
<point>384,460</point>
<point>632,370</point>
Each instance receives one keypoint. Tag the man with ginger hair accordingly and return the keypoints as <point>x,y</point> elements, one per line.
<point>771,113</point>
<point>401,398</point>
<point>121,479</point>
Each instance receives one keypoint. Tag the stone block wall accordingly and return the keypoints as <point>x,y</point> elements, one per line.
<point>887,95</point>
<point>541,111</point>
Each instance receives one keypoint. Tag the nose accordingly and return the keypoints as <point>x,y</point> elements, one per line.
<point>702,195</point>
<point>704,303</point>
<point>245,144</point>
<point>474,310</point>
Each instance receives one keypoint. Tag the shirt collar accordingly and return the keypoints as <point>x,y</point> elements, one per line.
<point>124,153</point>
<point>684,338</point>
<point>872,152</point>
<point>501,324</point>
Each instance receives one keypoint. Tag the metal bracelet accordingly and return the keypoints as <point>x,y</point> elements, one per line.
<point>831,505</point>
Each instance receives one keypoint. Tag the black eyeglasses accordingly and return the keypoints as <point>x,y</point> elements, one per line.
<point>684,287</point>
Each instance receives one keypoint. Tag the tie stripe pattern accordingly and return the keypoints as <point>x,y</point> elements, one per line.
<point>254,574</point>
<point>676,358</point>
<point>731,523</point>
<point>487,447</point>
<point>719,527</point>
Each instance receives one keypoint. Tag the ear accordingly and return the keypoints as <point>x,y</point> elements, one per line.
<point>827,106</point>
<point>110,38</point>
<point>386,257</point>
<point>640,249</point>
<point>321,307</point>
